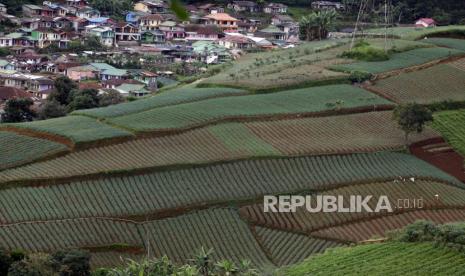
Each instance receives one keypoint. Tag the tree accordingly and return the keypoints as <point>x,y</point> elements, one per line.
<point>316,25</point>
<point>52,109</point>
<point>18,110</point>
<point>63,88</point>
<point>83,99</point>
<point>412,118</point>
<point>4,52</point>
<point>71,263</point>
<point>116,8</point>
<point>5,262</point>
<point>111,97</point>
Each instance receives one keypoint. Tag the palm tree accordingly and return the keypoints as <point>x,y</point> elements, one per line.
<point>226,267</point>
<point>317,24</point>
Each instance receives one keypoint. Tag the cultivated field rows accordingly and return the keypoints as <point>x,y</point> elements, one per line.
<point>402,60</point>
<point>16,149</point>
<point>163,192</point>
<point>306,222</point>
<point>289,103</point>
<point>446,85</point>
<point>393,258</point>
<point>360,231</point>
<point>451,124</point>
<point>168,98</point>
<point>179,238</point>
<point>368,132</point>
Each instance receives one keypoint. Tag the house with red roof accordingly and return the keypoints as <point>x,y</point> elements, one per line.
<point>425,23</point>
<point>8,93</point>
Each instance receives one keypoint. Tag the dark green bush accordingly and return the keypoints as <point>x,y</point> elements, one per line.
<point>363,51</point>
<point>359,76</point>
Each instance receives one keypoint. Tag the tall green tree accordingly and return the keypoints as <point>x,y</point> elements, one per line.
<point>83,99</point>
<point>18,110</point>
<point>63,88</point>
<point>412,118</point>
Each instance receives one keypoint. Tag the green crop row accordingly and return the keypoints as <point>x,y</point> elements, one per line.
<point>77,129</point>
<point>436,84</point>
<point>292,102</point>
<point>18,149</point>
<point>230,182</point>
<point>451,124</point>
<point>393,258</point>
<point>166,98</point>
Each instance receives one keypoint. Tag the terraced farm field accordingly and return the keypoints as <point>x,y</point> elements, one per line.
<point>205,145</point>
<point>76,129</point>
<point>18,149</point>
<point>435,84</point>
<point>179,238</point>
<point>280,104</point>
<point>111,259</point>
<point>379,227</point>
<point>451,124</point>
<point>459,64</point>
<point>283,68</point>
<point>288,248</point>
<point>393,258</point>
<point>167,98</point>
<point>373,131</point>
<point>157,193</point>
<point>414,33</point>
<point>221,229</point>
<point>303,221</point>
<point>401,60</point>
<point>458,44</point>
<point>74,233</point>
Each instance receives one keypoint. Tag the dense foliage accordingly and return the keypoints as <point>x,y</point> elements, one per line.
<point>412,117</point>
<point>60,263</point>
<point>18,110</point>
<point>364,51</point>
<point>202,264</point>
<point>316,25</point>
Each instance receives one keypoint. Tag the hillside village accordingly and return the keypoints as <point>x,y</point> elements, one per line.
<point>40,43</point>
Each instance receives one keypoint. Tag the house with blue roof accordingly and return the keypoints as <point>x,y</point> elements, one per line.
<point>98,21</point>
<point>134,17</point>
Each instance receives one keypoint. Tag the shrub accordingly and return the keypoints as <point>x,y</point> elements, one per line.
<point>359,76</point>
<point>448,235</point>
<point>363,51</point>
<point>419,231</point>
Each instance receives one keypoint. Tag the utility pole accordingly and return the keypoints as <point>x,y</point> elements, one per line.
<point>385,25</point>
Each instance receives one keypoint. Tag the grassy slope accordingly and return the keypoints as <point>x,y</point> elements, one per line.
<point>383,259</point>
